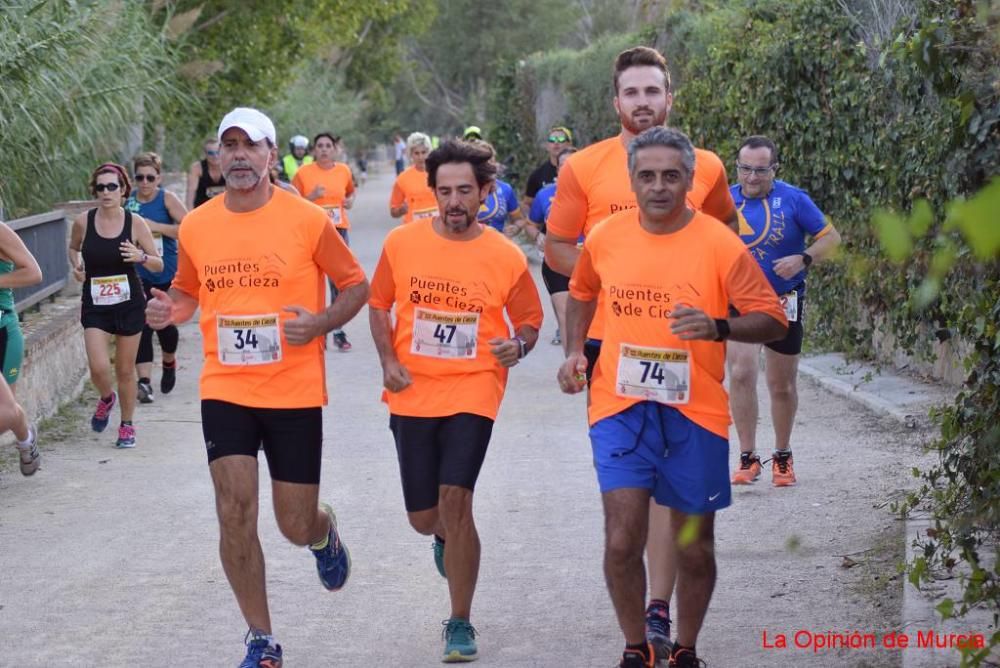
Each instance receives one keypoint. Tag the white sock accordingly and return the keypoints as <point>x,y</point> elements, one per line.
<point>24,445</point>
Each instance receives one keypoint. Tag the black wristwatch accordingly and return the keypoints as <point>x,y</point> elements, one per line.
<point>722,327</point>
<point>807,259</point>
<point>522,347</point>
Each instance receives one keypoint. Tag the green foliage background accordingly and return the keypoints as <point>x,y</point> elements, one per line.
<point>870,125</point>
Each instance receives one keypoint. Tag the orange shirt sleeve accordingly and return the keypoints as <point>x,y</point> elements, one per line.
<point>585,284</point>
<point>398,197</point>
<point>383,287</point>
<point>719,201</point>
<point>523,304</point>
<point>336,259</point>
<point>349,175</point>
<point>569,208</point>
<point>186,278</point>
<point>299,183</point>
<point>748,290</point>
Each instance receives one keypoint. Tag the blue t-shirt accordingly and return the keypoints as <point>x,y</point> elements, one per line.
<point>542,204</point>
<point>776,226</point>
<point>498,205</point>
<point>156,211</point>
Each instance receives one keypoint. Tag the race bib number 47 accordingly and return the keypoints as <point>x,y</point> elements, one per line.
<point>654,374</point>
<point>249,339</point>
<point>444,334</point>
<point>109,290</point>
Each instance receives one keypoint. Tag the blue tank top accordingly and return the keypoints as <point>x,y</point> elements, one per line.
<point>156,211</point>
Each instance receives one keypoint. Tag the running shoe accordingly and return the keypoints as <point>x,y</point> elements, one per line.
<point>145,392</point>
<point>340,340</point>
<point>28,450</point>
<point>634,659</point>
<point>685,658</point>
<point>749,469</point>
<point>168,379</point>
<point>126,436</point>
<point>557,339</point>
<point>260,652</point>
<point>101,414</point>
<point>782,472</point>
<point>438,546</point>
<point>333,560</point>
<point>459,641</point>
<point>658,629</point>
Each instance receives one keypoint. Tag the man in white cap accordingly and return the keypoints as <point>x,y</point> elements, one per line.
<point>253,261</point>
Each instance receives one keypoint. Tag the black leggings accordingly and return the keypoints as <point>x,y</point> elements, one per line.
<point>168,336</point>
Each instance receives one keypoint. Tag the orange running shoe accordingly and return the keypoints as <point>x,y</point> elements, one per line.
<point>749,469</point>
<point>782,472</point>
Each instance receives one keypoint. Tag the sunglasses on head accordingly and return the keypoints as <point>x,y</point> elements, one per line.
<point>558,139</point>
<point>110,187</point>
<point>148,178</point>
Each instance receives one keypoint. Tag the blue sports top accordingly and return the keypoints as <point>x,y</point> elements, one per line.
<point>498,205</point>
<point>156,211</point>
<point>776,226</point>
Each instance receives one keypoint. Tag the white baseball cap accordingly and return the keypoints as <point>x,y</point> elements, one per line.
<point>251,121</point>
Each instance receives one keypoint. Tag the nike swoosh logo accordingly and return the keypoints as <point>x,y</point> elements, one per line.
<point>713,498</point>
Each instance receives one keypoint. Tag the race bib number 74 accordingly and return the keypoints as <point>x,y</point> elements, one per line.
<point>444,334</point>
<point>654,374</point>
<point>249,339</point>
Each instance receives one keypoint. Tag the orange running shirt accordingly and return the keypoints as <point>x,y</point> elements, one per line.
<point>411,187</point>
<point>339,183</point>
<point>640,278</point>
<point>244,268</point>
<point>449,298</point>
<point>594,184</point>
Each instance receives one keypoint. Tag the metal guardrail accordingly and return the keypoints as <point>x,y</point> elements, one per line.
<point>45,236</point>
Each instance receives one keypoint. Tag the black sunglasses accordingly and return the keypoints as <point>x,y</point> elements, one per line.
<point>148,178</point>
<point>110,187</point>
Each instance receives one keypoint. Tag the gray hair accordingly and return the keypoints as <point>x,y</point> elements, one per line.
<point>660,136</point>
<point>416,139</point>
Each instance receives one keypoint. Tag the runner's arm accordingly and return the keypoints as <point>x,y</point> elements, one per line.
<point>561,253</point>
<point>144,243</point>
<point>75,244</point>
<point>192,184</point>
<point>524,308</point>
<point>566,223</point>
<point>26,270</point>
<point>184,306</point>
<point>397,201</point>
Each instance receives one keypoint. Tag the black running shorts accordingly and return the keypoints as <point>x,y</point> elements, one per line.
<point>554,281</point>
<point>292,437</point>
<point>435,451</point>
<point>118,321</point>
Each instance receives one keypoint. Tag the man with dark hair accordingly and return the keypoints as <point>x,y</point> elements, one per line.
<point>775,219</point>
<point>657,408</point>
<point>252,260</point>
<point>594,184</point>
<point>445,360</point>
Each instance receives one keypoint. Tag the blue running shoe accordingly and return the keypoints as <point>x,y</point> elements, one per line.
<point>102,413</point>
<point>260,652</point>
<point>439,555</point>
<point>333,560</point>
<point>658,629</point>
<point>459,641</point>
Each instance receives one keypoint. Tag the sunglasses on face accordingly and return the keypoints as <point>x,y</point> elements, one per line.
<point>148,178</point>
<point>747,170</point>
<point>212,153</point>
<point>558,139</point>
<point>110,187</point>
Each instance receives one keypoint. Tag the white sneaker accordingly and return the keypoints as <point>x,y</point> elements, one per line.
<point>30,457</point>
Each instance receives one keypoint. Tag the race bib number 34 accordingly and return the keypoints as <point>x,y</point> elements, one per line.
<point>109,290</point>
<point>444,334</point>
<point>654,374</point>
<point>249,339</point>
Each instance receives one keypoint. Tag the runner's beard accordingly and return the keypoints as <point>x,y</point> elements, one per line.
<point>659,119</point>
<point>461,226</point>
<point>242,182</point>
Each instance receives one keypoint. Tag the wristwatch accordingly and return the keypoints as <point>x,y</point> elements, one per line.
<point>807,259</point>
<point>722,327</point>
<point>522,347</point>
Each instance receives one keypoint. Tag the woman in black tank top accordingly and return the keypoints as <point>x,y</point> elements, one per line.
<point>105,246</point>
<point>200,181</point>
